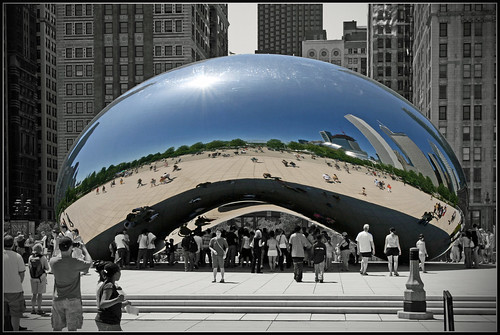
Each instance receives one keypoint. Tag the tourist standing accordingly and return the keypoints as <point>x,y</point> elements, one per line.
<point>467,244</point>
<point>422,252</point>
<point>366,248</point>
<point>219,247</point>
<point>67,308</point>
<point>232,241</point>
<point>298,242</point>
<point>120,249</point>
<point>142,241</point>
<point>256,245</point>
<point>319,256</point>
<point>283,245</point>
<point>273,250</point>
<point>392,249</point>
<point>38,266</point>
<point>150,249</point>
<point>345,251</point>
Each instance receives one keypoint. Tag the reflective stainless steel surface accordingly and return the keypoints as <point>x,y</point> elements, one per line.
<point>324,118</point>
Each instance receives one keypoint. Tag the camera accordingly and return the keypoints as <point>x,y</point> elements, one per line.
<point>77,244</point>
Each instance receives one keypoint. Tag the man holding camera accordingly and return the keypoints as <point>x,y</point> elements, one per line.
<point>67,308</point>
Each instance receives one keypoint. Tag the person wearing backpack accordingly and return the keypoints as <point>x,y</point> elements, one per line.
<point>189,248</point>
<point>38,266</point>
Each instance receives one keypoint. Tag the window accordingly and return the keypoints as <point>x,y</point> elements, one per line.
<point>109,89</point>
<point>168,9</point>
<point>477,154</point>
<point>79,70</point>
<point>88,10</point>
<point>478,50</point>
<point>466,92</point>
<point>69,107</point>
<point>123,9</point>
<point>124,70</point>
<point>466,133</point>
<point>380,57</point>
<point>139,27</point>
<point>69,28</point>
<point>69,126</point>
<point>388,71</point>
<point>178,50</point>
<point>466,70</point>
<point>78,52</point>
<point>68,10</point>
<point>168,26</point>
<point>478,92</point>
<point>443,8</point>
<point>443,29</point>
<point>477,198</point>
<point>443,70</point>
<point>108,27</point>
<point>69,71</point>
<point>139,9</point>
<point>79,107</point>
<point>388,29</point>
<point>88,52</point>
<point>123,88</point>
<point>178,8</point>
<point>69,143</point>
<point>88,28</point>
<point>90,107</point>
<point>168,50</point>
<point>123,51</point>
<point>157,68</point>
<point>123,27</point>
<point>477,133</point>
<point>157,9</point>
<point>139,51</point>
<point>380,43</point>
<point>467,50</point>
<point>69,53</point>
<point>78,28</point>
<point>78,10</point>
<point>79,89</point>
<point>442,112</point>
<point>157,26</point>
<point>467,8</point>
<point>466,113</point>
<point>139,69</point>
<point>178,26</point>
<point>388,57</point>
<point>443,50</point>
<point>478,28</point>
<point>388,43</point>
<point>478,112</point>
<point>157,50</point>
<point>108,70</point>
<point>478,70</point>
<point>467,29</point>
<point>466,154</point>
<point>88,89</point>
<point>79,125</point>
<point>69,89</point>
<point>108,9</point>
<point>467,174</point>
<point>380,30</point>
<point>442,91</point>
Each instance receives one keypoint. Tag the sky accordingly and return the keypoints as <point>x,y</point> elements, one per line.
<point>243,23</point>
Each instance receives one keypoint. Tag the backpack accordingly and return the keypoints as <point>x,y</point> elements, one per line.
<point>36,268</point>
<point>193,246</point>
<point>20,242</point>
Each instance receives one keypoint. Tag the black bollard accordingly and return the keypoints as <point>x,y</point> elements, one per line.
<point>414,305</point>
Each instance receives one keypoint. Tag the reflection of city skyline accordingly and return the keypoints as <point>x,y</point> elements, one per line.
<point>346,142</point>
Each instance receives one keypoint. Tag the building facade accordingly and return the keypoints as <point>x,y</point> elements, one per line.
<point>390,44</point>
<point>105,50</point>
<point>454,85</point>
<point>349,52</point>
<point>282,28</point>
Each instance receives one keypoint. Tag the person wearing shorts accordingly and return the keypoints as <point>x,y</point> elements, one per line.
<point>38,285</point>
<point>392,249</point>
<point>13,294</point>
<point>366,248</point>
<point>219,247</point>
<point>67,308</point>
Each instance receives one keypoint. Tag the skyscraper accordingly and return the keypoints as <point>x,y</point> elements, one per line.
<point>283,27</point>
<point>455,87</point>
<point>390,34</point>
<point>105,50</point>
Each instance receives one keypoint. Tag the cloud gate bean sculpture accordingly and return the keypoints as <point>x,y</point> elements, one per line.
<point>216,139</point>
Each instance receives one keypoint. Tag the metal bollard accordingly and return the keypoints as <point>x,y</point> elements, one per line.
<point>414,305</point>
<point>448,311</point>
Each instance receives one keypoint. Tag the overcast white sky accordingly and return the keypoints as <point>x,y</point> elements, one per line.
<point>243,23</point>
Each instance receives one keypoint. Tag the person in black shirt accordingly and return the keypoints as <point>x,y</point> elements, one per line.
<point>319,256</point>
<point>232,241</point>
<point>345,251</point>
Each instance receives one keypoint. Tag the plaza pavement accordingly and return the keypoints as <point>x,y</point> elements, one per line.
<point>165,280</point>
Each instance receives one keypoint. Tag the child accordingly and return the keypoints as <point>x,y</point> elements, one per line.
<point>38,265</point>
<point>319,256</point>
<point>422,252</point>
<point>110,299</point>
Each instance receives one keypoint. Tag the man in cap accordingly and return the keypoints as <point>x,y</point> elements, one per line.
<point>67,298</point>
<point>366,247</point>
<point>13,294</point>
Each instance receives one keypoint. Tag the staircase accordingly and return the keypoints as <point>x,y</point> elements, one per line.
<point>462,305</point>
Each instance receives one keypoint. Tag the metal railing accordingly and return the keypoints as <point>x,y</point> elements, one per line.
<point>448,311</point>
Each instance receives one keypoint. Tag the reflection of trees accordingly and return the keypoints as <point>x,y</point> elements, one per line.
<point>105,175</point>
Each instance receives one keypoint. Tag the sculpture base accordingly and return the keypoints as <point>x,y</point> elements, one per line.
<point>415,315</point>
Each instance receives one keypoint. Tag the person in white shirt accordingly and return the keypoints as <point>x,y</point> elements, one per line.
<point>422,252</point>
<point>366,247</point>
<point>151,249</point>
<point>120,249</point>
<point>393,250</point>
<point>142,240</point>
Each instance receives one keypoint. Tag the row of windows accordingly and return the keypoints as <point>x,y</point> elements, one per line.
<point>476,154</point>
<point>79,52</point>
<point>123,27</point>
<point>51,163</point>
<point>163,67</point>
<point>466,91</point>
<point>51,189</point>
<point>78,125</point>
<point>51,176</point>
<point>51,137</point>
<point>169,50</point>
<point>167,8</point>
<point>78,89</point>
<point>467,70</point>
<point>467,29</point>
<point>467,50</point>
<point>79,107</point>
<point>76,28</point>
<point>124,70</point>
<point>466,133</point>
<point>167,26</point>
<point>51,124</point>
<point>52,150</point>
<point>78,10</point>
<point>123,51</point>
<point>78,71</point>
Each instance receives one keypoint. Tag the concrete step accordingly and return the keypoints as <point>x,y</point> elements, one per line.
<point>467,305</point>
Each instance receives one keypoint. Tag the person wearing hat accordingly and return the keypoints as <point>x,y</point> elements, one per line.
<point>366,247</point>
<point>13,294</point>
<point>38,281</point>
<point>67,308</point>
<point>422,252</point>
<point>345,251</point>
